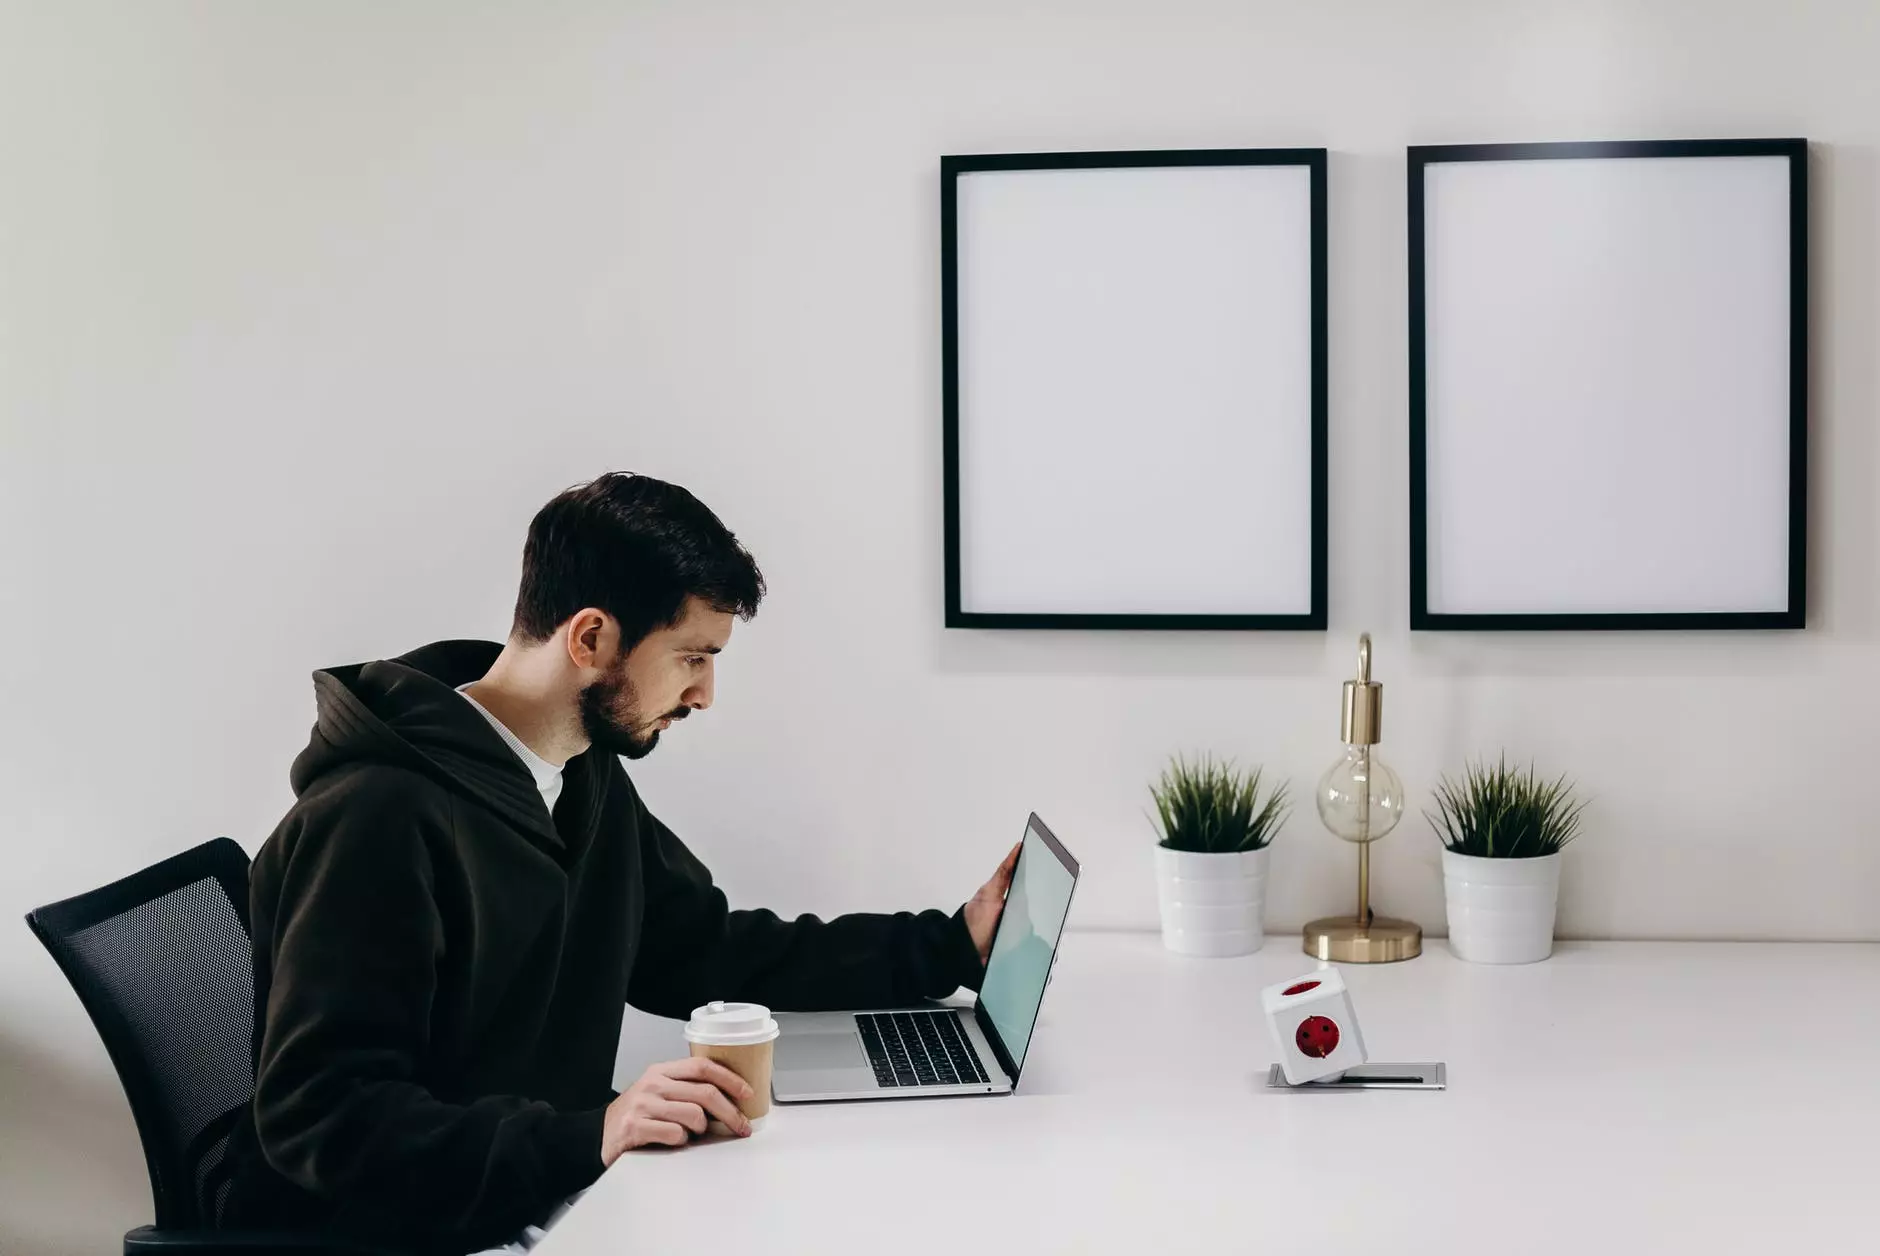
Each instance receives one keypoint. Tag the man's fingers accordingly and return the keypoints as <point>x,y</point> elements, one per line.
<point>699,1069</point>
<point>1004,875</point>
<point>711,1099</point>
<point>663,1133</point>
<point>677,1112</point>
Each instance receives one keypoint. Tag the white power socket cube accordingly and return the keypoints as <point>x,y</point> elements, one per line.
<point>1314,1027</point>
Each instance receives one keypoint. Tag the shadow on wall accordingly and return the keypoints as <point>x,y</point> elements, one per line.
<point>72,1177</point>
<point>1842,390</point>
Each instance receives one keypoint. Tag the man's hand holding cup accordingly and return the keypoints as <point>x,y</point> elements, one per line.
<point>672,1102</point>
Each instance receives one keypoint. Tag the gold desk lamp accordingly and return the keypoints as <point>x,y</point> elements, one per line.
<point>1360,799</point>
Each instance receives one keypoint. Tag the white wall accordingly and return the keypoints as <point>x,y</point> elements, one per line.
<point>304,309</point>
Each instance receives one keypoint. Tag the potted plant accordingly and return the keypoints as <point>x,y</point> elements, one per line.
<point>1502,831</point>
<point>1216,827</point>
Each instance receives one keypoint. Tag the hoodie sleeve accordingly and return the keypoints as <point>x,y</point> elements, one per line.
<point>355,944</point>
<point>694,949</point>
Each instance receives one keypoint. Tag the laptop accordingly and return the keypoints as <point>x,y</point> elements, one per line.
<point>935,1052</point>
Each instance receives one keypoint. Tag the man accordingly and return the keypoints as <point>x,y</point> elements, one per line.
<point>450,918</point>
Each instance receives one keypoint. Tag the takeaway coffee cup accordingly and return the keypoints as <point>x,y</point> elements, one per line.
<point>742,1037</point>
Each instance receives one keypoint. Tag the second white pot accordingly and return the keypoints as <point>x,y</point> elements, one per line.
<point>1501,911</point>
<point>1212,904</point>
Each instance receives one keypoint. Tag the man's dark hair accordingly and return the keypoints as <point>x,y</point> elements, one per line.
<point>636,548</point>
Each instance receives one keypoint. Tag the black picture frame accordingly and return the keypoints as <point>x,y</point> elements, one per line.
<point>952,168</point>
<point>1793,615</point>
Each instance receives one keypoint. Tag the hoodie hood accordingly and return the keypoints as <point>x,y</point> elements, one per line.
<point>407,712</point>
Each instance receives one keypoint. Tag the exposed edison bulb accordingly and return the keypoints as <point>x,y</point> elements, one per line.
<point>1343,792</point>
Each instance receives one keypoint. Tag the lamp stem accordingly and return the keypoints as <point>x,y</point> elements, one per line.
<point>1364,837</point>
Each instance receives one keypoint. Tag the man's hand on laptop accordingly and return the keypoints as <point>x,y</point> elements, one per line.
<point>982,913</point>
<point>672,1102</point>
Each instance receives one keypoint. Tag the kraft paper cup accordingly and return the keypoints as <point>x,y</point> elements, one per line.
<point>743,1038</point>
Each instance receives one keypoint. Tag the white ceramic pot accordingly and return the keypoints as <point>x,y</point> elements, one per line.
<point>1501,911</point>
<point>1212,904</point>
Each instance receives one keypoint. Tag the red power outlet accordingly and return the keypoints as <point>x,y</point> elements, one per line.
<point>1317,1037</point>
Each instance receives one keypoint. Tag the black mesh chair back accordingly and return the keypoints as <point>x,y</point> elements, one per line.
<point>162,962</point>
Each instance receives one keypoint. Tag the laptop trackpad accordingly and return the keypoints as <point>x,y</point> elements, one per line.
<point>820,1051</point>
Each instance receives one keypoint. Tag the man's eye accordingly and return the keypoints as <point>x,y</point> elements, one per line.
<point>697,661</point>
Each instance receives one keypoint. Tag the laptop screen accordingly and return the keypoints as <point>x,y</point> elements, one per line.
<point>1023,947</point>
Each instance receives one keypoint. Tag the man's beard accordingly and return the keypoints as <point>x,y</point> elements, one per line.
<point>628,735</point>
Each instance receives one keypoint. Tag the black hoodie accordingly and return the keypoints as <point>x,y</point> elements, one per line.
<point>440,966</point>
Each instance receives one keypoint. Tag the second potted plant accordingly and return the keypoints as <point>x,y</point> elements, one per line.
<point>1216,828</point>
<point>1502,831</point>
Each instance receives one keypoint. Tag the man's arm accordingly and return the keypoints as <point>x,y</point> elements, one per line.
<point>355,946</point>
<point>695,949</point>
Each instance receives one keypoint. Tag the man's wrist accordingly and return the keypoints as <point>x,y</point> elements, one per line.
<point>969,965</point>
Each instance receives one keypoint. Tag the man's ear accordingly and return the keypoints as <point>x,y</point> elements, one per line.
<point>593,637</point>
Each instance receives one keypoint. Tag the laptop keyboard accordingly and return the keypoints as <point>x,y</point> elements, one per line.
<point>919,1049</point>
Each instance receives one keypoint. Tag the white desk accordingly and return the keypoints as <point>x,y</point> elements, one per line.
<point>1650,1098</point>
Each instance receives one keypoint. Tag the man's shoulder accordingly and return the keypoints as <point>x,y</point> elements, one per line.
<point>380,807</point>
<point>393,789</point>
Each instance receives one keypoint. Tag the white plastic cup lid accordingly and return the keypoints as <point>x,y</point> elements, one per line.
<point>731,1025</point>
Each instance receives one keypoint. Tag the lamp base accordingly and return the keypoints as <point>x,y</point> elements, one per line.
<point>1348,940</point>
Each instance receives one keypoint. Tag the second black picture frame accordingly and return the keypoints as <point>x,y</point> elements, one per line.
<point>1609,385</point>
<point>1134,369</point>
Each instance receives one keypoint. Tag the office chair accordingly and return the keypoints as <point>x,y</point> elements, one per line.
<point>162,962</point>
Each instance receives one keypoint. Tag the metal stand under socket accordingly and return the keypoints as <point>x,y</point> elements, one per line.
<point>1372,1077</point>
